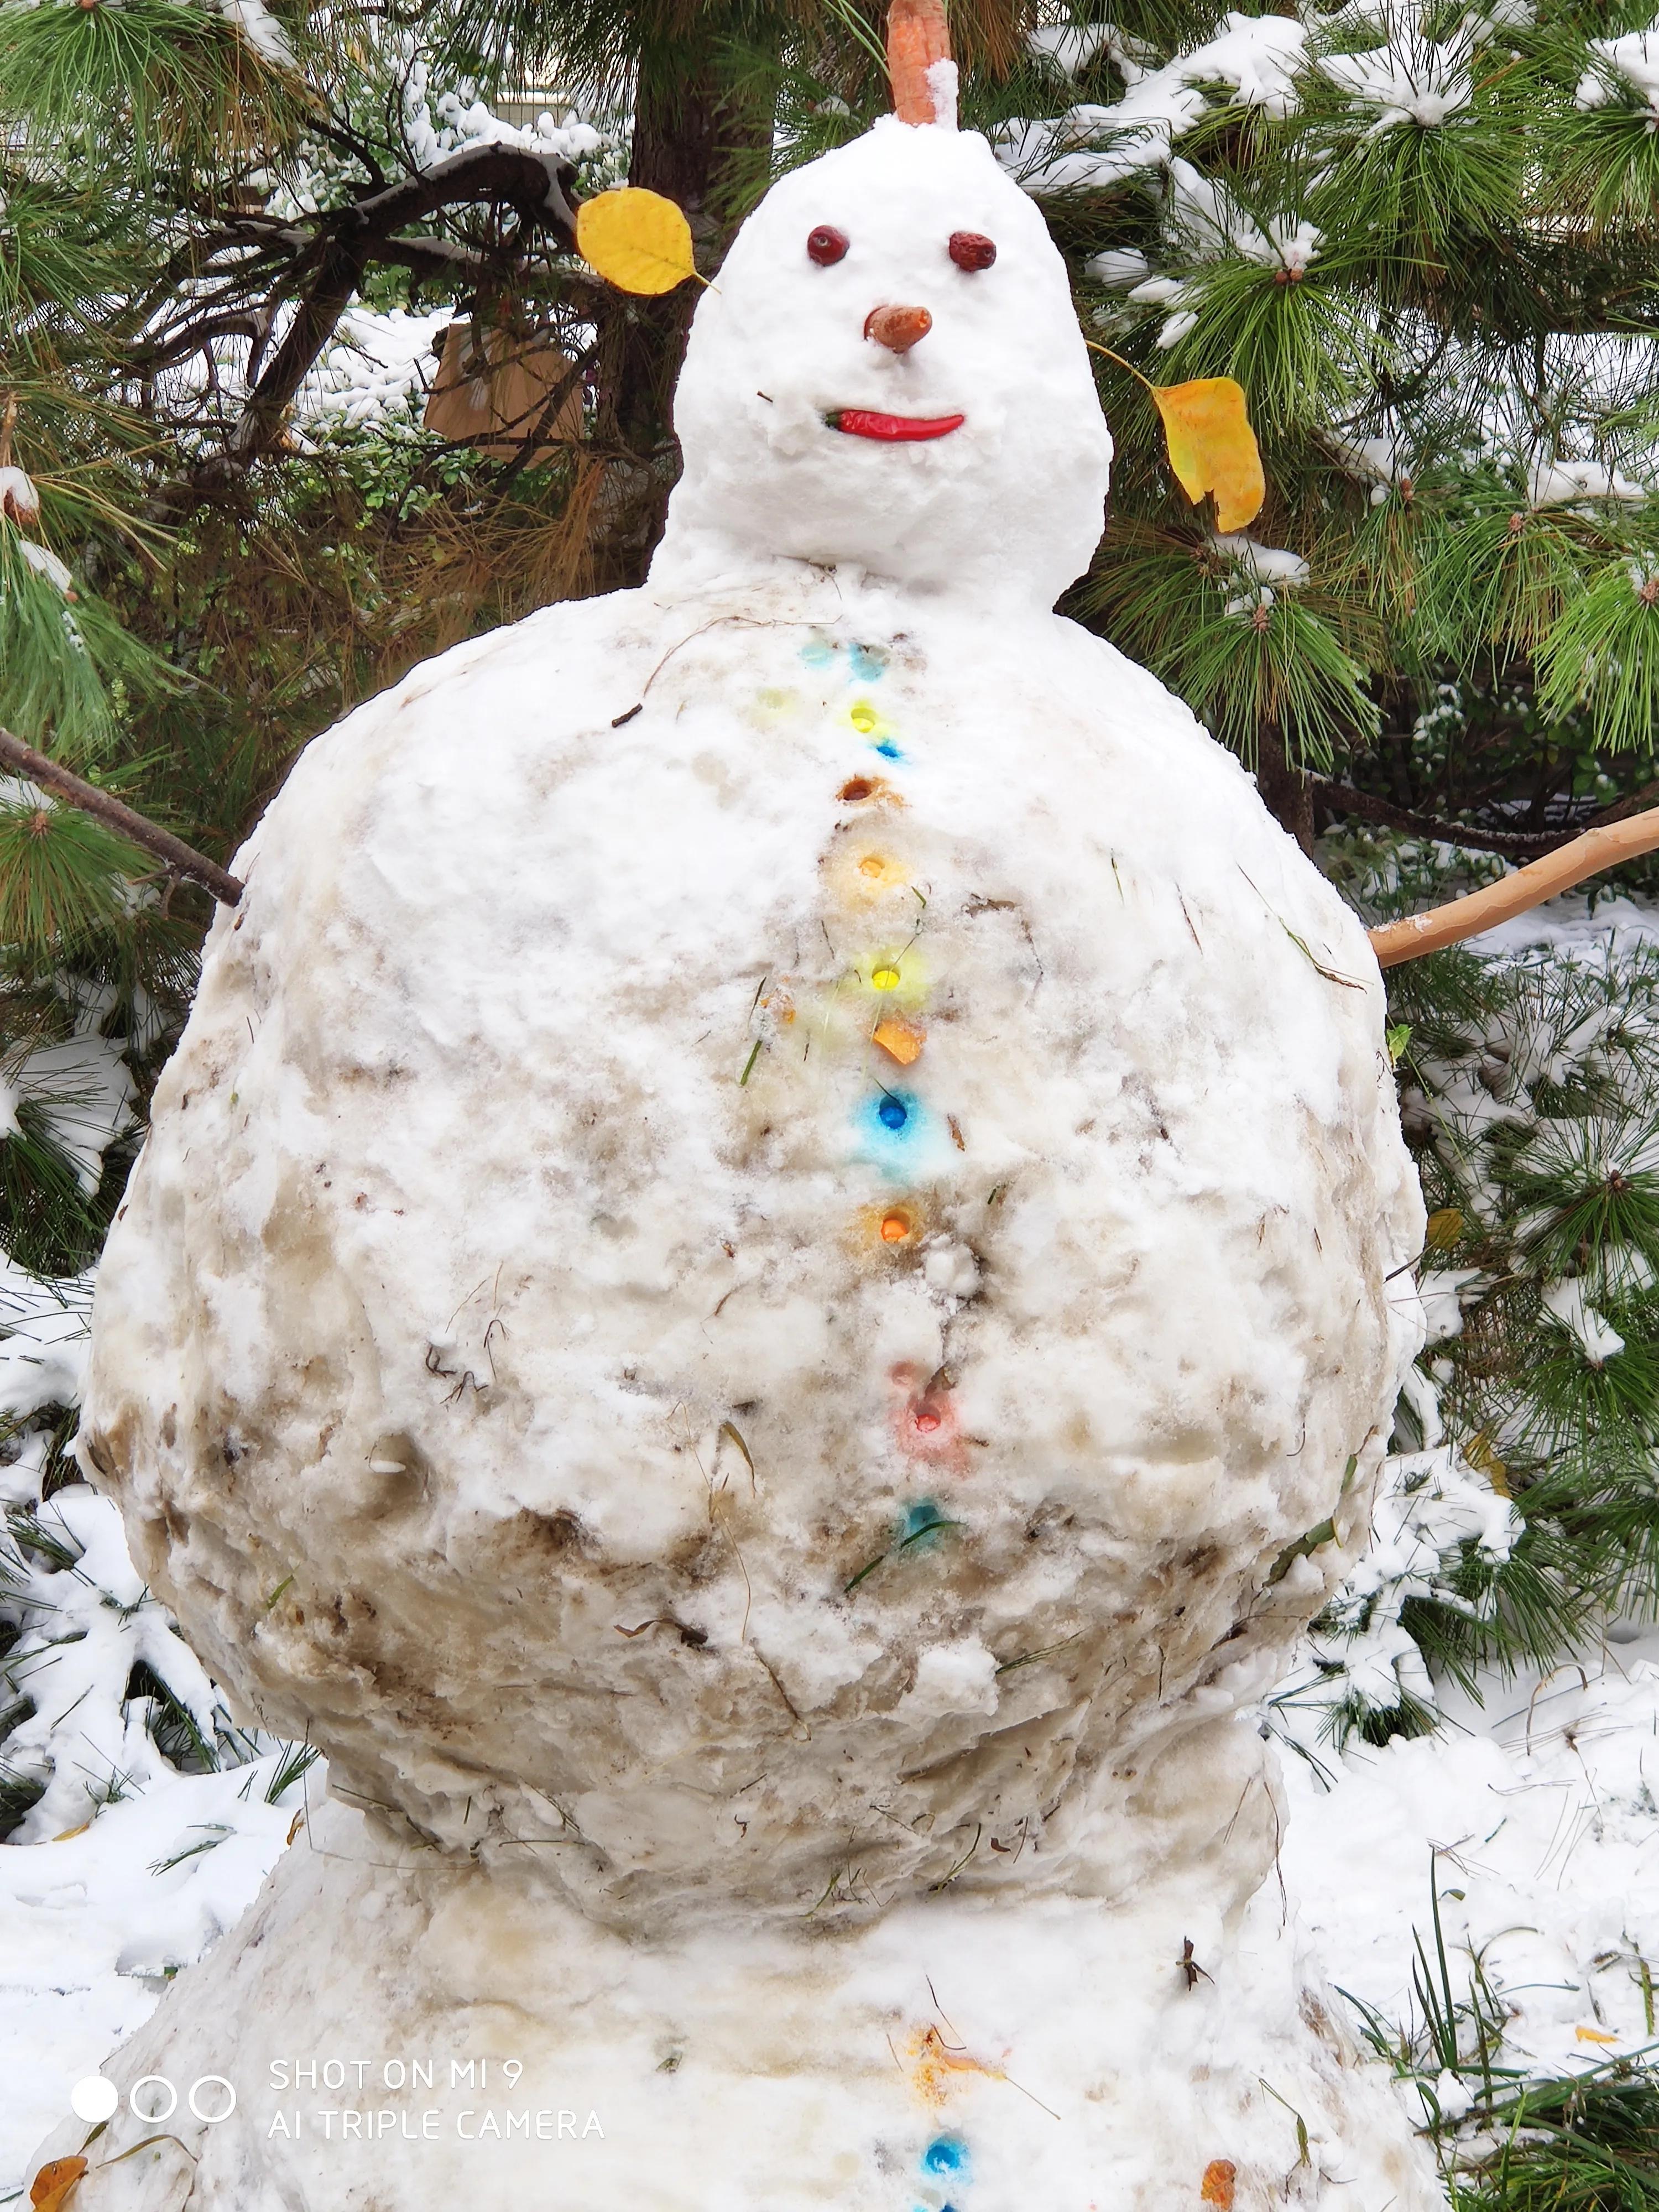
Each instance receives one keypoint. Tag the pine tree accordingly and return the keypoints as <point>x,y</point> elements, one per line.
<point>1424,240</point>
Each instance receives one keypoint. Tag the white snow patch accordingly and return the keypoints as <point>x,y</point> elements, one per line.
<point>18,497</point>
<point>1541,1806</point>
<point>377,363</point>
<point>1268,564</point>
<point>1118,267</point>
<point>1564,483</point>
<point>1070,46</point>
<point>1442,1290</point>
<point>46,563</point>
<point>260,28</point>
<point>1565,1301</point>
<point>1430,1503</point>
<point>437,125</point>
<point>1425,87</point>
<point>1575,923</point>
<point>1091,147</point>
<point>952,1678</point>
<point>1633,59</point>
<point>944,84</point>
<point>43,1341</point>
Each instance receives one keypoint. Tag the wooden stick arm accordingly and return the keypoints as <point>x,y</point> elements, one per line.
<point>173,854</point>
<point>1607,848</point>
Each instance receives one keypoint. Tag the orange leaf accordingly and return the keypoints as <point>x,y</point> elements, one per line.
<point>1219,2176</point>
<point>637,240</point>
<point>1207,427</point>
<point>50,2187</point>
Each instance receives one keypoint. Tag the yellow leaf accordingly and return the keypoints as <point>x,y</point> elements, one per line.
<point>52,2185</point>
<point>1445,1226</point>
<point>1593,2035</point>
<point>1207,427</point>
<point>636,240</point>
<point>1480,1456</point>
<point>69,1833</point>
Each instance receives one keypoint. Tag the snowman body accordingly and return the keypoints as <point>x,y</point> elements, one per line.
<point>761,1288</point>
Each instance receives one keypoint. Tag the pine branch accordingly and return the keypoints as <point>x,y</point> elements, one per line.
<point>179,859</point>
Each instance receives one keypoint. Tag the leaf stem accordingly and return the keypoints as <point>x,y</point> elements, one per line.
<point>1095,346</point>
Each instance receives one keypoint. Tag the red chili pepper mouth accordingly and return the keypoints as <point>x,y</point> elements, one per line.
<point>894,429</point>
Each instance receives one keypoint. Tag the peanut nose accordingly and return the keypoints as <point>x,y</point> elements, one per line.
<point>897,328</point>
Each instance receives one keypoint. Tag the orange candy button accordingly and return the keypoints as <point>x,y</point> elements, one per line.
<point>899,1041</point>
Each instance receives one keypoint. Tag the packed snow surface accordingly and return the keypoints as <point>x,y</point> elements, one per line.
<point>1003,513</point>
<point>1091,1288</point>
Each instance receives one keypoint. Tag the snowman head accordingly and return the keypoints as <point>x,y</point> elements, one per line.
<point>888,374</point>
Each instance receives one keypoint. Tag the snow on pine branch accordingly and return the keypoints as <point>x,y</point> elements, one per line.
<point>43,1340</point>
<point>1433,1511</point>
<point>436,126</point>
<point>1630,64</point>
<point>1408,78</point>
<point>1091,146</point>
<point>380,364</point>
<point>261,29</point>
<point>1208,223</point>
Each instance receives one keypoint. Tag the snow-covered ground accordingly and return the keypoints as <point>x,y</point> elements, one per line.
<point>90,1925</point>
<point>1536,1818</point>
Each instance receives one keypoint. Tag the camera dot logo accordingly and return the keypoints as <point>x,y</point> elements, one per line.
<point>152,2099</point>
<point>94,2099</point>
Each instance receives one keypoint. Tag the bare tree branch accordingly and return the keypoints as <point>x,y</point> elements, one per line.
<point>330,268</point>
<point>1343,798</point>
<point>179,859</point>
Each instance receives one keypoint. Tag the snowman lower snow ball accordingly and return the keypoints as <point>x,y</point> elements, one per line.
<point>763,1290</point>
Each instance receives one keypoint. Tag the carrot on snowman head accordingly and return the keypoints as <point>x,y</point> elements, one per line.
<point>918,64</point>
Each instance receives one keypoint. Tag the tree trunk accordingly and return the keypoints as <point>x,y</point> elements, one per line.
<point>692,141</point>
<point>1284,790</point>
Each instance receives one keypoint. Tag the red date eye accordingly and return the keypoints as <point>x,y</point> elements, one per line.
<point>826,245</point>
<point>969,250</point>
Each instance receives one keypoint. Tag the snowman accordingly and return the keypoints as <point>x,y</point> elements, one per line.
<point>765,1287</point>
